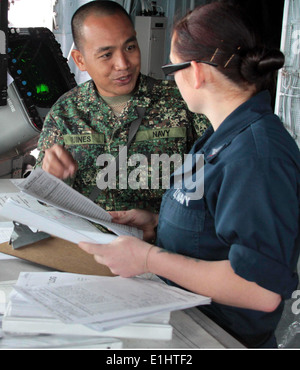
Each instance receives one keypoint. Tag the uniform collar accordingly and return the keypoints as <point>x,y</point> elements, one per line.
<point>141,97</point>
<point>241,118</point>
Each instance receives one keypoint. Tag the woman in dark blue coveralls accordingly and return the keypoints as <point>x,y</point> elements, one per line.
<point>238,242</point>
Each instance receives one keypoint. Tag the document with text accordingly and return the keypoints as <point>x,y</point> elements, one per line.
<point>106,302</point>
<point>29,211</point>
<point>55,192</point>
<point>50,205</point>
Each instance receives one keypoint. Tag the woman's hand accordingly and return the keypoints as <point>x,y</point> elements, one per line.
<point>143,220</point>
<point>125,256</point>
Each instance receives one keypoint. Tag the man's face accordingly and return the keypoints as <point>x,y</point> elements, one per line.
<point>110,54</point>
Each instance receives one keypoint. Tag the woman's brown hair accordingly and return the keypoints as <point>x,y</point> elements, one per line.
<point>219,33</point>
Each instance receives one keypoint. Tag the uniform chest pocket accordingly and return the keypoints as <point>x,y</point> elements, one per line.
<point>180,227</point>
<point>181,216</point>
<point>85,153</point>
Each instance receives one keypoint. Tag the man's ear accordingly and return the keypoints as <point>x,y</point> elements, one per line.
<point>199,76</point>
<point>78,59</point>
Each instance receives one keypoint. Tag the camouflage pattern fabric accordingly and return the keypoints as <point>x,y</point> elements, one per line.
<point>87,127</point>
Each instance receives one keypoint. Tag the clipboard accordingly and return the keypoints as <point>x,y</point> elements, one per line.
<point>58,254</point>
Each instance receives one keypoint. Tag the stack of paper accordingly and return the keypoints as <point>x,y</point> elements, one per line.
<point>44,340</point>
<point>61,303</point>
<point>6,229</point>
<point>58,342</point>
<point>6,288</point>
<point>39,217</point>
<point>47,204</point>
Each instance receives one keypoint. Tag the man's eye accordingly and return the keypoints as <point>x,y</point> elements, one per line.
<point>131,47</point>
<point>105,56</point>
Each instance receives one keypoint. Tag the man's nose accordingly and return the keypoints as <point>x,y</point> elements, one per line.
<point>121,62</point>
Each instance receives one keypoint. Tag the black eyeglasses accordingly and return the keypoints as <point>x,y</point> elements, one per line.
<point>170,69</point>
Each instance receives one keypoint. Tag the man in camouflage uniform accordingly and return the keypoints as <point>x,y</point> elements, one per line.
<point>94,118</point>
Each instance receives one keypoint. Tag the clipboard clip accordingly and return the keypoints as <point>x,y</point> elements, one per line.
<point>22,235</point>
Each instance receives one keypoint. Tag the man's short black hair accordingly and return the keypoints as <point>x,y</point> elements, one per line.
<point>97,7</point>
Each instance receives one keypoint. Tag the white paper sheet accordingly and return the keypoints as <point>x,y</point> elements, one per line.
<point>51,190</point>
<point>27,210</point>
<point>6,229</point>
<point>4,256</point>
<point>105,300</point>
<point>22,306</point>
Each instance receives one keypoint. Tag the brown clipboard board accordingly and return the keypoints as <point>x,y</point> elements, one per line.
<point>60,255</point>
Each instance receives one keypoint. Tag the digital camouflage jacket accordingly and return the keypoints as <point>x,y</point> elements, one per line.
<point>88,128</point>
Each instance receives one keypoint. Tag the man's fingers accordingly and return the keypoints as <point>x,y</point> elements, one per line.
<point>65,157</point>
<point>59,162</point>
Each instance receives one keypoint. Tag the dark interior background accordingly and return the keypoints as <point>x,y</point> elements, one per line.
<point>266,16</point>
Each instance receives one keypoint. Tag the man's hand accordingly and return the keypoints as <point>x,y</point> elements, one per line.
<point>59,162</point>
